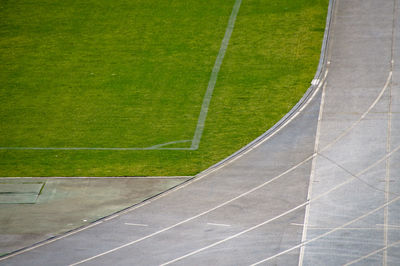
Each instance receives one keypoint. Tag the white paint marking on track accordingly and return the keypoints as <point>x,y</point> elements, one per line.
<point>327,233</point>
<point>356,176</point>
<point>219,224</point>
<point>136,224</point>
<point>372,253</point>
<point>388,225</point>
<point>193,217</point>
<point>363,115</point>
<point>312,174</point>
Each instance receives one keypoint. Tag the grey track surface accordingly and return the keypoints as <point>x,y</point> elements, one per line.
<point>65,204</point>
<point>259,207</point>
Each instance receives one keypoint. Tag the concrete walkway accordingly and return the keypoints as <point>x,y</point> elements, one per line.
<point>323,189</point>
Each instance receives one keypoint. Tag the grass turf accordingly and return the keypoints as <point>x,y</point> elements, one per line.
<point>133,74</point>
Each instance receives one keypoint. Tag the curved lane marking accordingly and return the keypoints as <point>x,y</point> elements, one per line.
<point>355,176</point>
<point>328,233</point>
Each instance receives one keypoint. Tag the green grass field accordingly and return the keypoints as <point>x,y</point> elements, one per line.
<point>132,74</point>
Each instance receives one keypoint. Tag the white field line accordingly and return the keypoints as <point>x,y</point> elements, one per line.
<point>213,78</point>
<point>154,147</point>
<point>96,177</point>
<point>387,178</point>
<point>356,176</point>
<point>312,174</point>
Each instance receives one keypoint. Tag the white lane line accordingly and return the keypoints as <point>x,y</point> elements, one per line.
<point>327,233</point>
<point>372,253</point>
<point>219,224</point>
<point>231,237</point>
<point>388,141</point>
<point>356,176</point>
<point>136,224</point>
<point>213,78</point>
<point>312,174</point>
<point>345,229</point>
<point>387,178</point>
<point>362,116</point>
<point>389,225</point>
<point>314,227</point>
<point>196,216</point>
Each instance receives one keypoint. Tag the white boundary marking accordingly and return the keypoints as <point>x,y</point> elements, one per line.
<point>312,174</point>
<point>389,225</point>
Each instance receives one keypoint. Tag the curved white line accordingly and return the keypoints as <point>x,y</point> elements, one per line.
<point>372,253</point>
<point>327,233</point>
<point>287,212</point>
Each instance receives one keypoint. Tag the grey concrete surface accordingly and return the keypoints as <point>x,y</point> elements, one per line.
<point>322,190</point>
<point>36,209</point>
<point>361,217</point>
